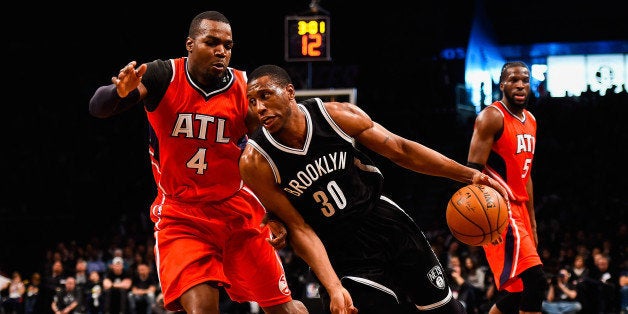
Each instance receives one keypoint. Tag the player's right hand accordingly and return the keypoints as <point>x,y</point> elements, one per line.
<point>129,78</point>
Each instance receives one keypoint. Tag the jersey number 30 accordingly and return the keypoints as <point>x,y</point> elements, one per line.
<point>339,198</point>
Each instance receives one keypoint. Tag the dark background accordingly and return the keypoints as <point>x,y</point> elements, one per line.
<point>69,176</point>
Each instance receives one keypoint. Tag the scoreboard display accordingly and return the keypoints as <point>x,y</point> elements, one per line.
<point>307,38</point>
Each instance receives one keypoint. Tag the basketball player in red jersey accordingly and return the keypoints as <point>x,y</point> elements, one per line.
<point>206,224</point>
<point>502,146</point>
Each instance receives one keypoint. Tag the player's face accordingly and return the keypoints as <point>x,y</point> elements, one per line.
<point>209,52</point>
<point>516,86</point>
<point>271,102</point>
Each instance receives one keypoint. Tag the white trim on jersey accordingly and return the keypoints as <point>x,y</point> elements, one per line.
<point>333,124</point>
<point>373,284</point>
<point>386,199</point>
<point>271,163</point>
<point>213,92</point>
<point>437,304</point>
<point>291,150</point>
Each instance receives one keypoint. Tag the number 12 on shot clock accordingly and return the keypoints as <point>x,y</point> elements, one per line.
<point>307,38</point>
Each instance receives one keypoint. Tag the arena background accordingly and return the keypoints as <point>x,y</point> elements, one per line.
<point>69,176</point>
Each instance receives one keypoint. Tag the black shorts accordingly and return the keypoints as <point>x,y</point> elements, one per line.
<point>386,250</point>
<point>531,299</point>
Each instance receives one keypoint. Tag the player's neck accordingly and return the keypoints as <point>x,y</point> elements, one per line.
<point>294,133</point>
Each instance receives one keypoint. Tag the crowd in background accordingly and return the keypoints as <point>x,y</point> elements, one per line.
<point>583,236</point>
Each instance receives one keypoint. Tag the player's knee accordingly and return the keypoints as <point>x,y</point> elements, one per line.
<point>299,307</point>
<point>535,285</point>
<point>202,298</point>
<point>494,310</point>
<point>293,307</point>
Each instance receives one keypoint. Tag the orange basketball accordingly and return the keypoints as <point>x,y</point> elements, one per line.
<point>477,214</point>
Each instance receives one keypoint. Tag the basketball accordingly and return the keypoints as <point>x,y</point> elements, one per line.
<point>477,214</point>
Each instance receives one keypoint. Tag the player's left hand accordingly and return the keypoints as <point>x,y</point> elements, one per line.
<point>279,232</point>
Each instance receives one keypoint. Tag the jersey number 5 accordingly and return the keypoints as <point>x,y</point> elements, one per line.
<point>526,167</point>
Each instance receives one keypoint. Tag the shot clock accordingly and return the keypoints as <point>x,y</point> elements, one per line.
<point>307,38</point>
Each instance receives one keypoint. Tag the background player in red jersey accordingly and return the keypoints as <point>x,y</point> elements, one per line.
<point>207,225</point>
<point>502,146</point>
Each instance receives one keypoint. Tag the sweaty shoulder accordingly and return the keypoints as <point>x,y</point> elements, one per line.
<point>492,112</point>
<point>248,157</point>
<point>349,117</point>
<point>490,120</point>
<point>251,162</point>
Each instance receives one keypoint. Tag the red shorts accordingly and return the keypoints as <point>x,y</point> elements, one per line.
<point>217,242</point>
<point>516,253</point>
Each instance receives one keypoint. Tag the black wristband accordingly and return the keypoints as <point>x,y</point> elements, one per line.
<point>114,92</point>
<point>475,166</point>
<point>106,102</point>
<point>129,101</point>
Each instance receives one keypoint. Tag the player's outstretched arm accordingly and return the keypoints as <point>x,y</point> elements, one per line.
<point>405,153</point>
<point>125,91</point>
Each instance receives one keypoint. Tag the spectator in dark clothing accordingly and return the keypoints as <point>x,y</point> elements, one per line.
<point>32,302</point>
<point>562,295</point>
<point>94,297</point>
<point>68,299</point>
<point>116,284</point>
<point>53,283</point>
<point>607,287</point>
<point>143,290</point>
<point>462,290</point>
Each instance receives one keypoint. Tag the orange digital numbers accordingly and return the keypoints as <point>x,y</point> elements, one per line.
<point>307,38</point>
<point>311,45</point>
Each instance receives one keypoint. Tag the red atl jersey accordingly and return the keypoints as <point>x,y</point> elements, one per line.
<point>510,161</point>
<point>195,157</point>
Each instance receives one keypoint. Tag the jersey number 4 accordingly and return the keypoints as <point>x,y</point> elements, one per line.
<point>198,161</point>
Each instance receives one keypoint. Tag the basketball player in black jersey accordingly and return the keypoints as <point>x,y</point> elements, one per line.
<point>304,166</point>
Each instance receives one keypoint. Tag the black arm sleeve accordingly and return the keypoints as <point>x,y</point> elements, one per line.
<point>106,102</point>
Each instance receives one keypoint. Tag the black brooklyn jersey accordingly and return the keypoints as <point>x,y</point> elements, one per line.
<point>377,250</point>
<point>328,180</point>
